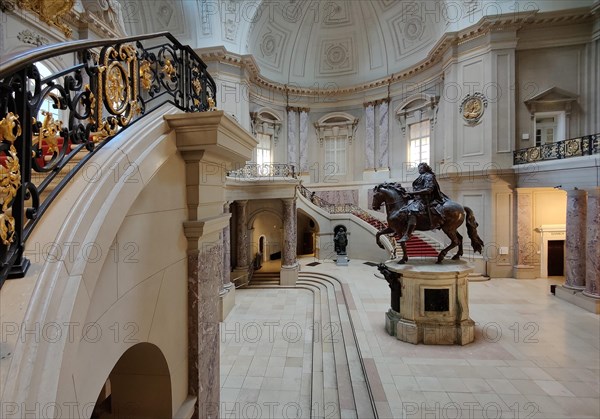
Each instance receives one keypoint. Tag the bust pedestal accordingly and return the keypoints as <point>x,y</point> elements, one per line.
<point>434,304</point>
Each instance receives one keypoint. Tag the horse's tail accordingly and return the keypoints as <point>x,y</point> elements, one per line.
<point>472,225</point>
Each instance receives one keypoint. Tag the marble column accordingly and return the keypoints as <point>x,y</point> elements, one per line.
<point>303,169</point>
<point>383,143</point>
<point>575,258</point>
<point>292,123</point>
<point>592,254</point>
<point>204,281</point>
<point>288,256</point>
<point>226,252</point>
<point>370,137</point>
<point>242,235</point>
<point>289,264</point>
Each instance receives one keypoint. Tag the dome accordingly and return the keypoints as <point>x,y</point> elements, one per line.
<point>325,44</point>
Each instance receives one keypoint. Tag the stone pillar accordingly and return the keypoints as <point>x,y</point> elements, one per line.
<point>240,273</point>
<point>242,236</point>
<point>289,264</point>
<point>592,254</point>
<point>575,258</point>
<point>226,252</point>
<point>227,292</point>
<point>203,346</point>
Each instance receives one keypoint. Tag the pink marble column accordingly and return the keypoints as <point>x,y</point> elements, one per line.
<point>242,235</point>
<point>204,282</point>
<point>289,233</point>
<point>576,214</point>
<point>226,252</point>
<point>592,254</point>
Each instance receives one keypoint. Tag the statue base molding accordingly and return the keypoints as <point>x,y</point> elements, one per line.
<point>434,303</point>
<point>342,260</point>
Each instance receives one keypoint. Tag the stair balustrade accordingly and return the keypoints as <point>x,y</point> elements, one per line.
<point>46,121</point>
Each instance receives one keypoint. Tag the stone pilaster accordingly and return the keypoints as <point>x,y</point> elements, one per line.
<point>369,137</point>
<point>575,258</point>
<point>289,264</point>
<point>292,146</point>
<point>303,169</point>
<point>524,246</point>
<point>383,143</point>
<point>592,254</point>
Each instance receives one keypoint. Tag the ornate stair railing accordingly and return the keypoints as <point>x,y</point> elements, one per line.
<point>46,121</point>
<point>573,147</point>
<point>255,170</point>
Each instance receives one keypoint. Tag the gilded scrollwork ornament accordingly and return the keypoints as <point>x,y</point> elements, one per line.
<point>50,11</point>
<point>472,108</point>
<point>146,74</point>
<point>169,69</point>
<point>10,176</point>
<point>49,132</point>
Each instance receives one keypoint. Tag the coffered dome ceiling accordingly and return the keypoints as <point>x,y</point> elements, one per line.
<point>339,43</point>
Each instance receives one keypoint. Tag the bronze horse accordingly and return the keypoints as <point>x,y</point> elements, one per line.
<point>452,216</point>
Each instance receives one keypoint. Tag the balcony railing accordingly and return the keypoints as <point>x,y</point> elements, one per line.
<point>253,170</point>
<point>46,121</point>
<point>574,147</point>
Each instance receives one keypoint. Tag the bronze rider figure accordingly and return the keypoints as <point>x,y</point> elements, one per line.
<point>426,193</point>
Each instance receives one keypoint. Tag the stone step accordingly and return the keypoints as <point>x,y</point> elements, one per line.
<point>355,392</point>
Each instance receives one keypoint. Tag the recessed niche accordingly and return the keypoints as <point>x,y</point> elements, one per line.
<point>437,299</point>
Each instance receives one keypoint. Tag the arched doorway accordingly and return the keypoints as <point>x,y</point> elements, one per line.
<point>267,238</point>
<point>307,231</point>
<point>139,386</point>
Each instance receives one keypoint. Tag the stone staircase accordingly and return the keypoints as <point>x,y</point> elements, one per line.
<point>339,386</point>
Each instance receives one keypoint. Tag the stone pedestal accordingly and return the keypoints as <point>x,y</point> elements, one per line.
<point>434,304</point>
<point>288,275</point>
<point>226,302</point>
<point>342,260</point>
<point>580,299</point>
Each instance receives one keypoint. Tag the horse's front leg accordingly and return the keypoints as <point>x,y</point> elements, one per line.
<point>404,254</point>
<point>387,230</point>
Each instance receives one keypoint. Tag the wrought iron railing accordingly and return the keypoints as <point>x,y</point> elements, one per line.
<point>574,147</point>
<point>254,170</point>
<point>46,121</point>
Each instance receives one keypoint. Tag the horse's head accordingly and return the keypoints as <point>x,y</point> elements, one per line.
<point>378,196</point>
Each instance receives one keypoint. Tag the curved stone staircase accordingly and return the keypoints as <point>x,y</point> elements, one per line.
<point>339,384</point>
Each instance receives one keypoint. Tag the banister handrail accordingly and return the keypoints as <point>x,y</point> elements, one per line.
<point>44,123</point>
<point>18,61</point>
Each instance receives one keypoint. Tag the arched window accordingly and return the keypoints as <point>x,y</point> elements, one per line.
<point>266,125</point>
<point>417,118</point>
<point>336,132</point>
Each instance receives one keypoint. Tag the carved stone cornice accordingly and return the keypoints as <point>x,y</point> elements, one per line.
<point>376,102</point>
<point>297,109</point>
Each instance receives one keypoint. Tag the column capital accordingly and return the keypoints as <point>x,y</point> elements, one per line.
<point>576,192</point>
<point>241,202</point>
<point>593,191</point>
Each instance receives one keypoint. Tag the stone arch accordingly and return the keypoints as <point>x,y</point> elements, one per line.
<point>139,385</point>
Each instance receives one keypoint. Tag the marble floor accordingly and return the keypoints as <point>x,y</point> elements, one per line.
<point>534,356</point>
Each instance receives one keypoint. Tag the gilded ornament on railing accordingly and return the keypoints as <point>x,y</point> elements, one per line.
<point>211,103</point>
<point>168,69</point>
<point>118,87</point>
<point>10,176</point>
<point>50,11</point>
<point>49,132</point>
<point>146,74</point>
<point>197,86</point>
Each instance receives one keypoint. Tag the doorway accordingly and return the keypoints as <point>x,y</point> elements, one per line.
<point>556,257</point>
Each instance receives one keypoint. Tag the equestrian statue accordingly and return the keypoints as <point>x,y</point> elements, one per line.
<point>425,208</point>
